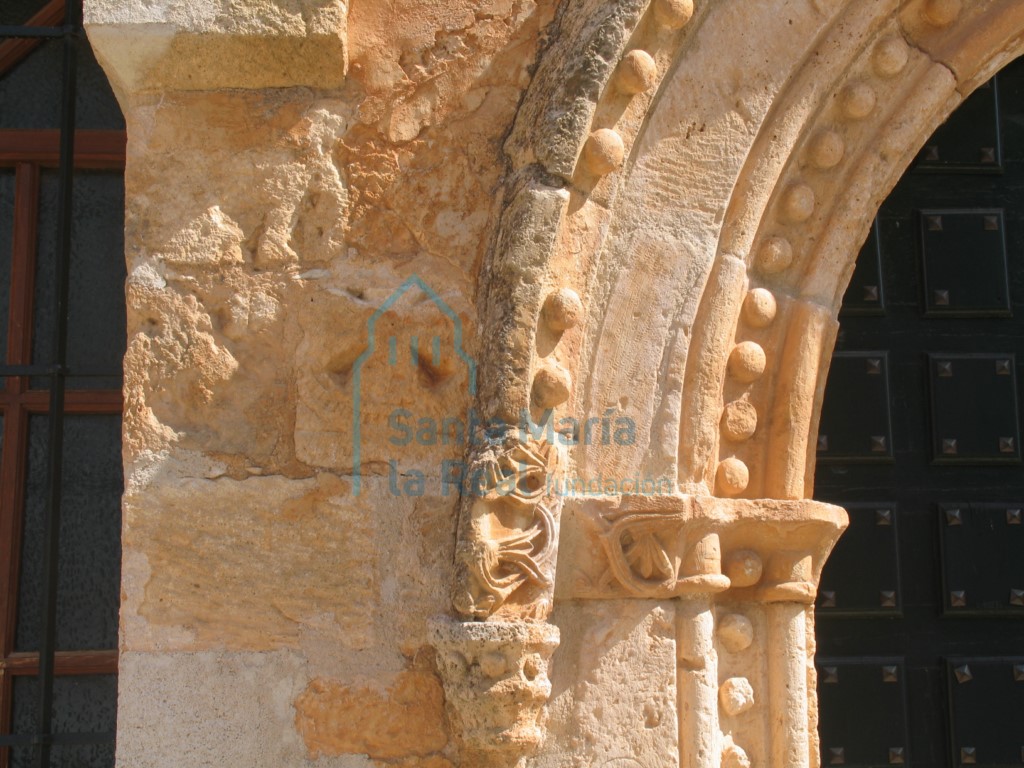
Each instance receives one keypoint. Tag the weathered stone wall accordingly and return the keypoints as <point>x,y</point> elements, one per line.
<point>358,231</point>
<point>270,616</point>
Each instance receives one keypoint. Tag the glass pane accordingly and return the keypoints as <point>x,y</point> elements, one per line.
<point>83,756</point>
<point>17,12</point>
<point>6,240</point>
<point>90,551</point>
<point>80,756</point>
<point>96,319</point>
<point>81,704</point>
<point>90,541</point>
<point>97,331</point>
<point>48,240</point>
<point>85,704</point>
<point>27,626</point>
<point>23,704</point>
<point>30,94</point>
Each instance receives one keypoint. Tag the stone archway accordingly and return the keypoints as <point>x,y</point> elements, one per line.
<point>718,229</point>
<point>682,189</point>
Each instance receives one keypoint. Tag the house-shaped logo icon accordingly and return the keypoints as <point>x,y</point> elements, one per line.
<point>413,351</point>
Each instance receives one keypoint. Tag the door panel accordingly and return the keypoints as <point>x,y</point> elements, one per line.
<point>920,616</point>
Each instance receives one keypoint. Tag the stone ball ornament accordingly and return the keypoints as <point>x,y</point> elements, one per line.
<point>759,307</point>
<point>736,696</point>
<point>637,73</point>
<point>735,632</point>
<point>858,101</point>
<point>776,254</point>
<point>732,477</point>
<point>891,56</point>
<point>603,152</point>
<point>563,309</point>
<point>673,14</point>
<point>734,756</point>
<point>827,150</point>
<point>739,421</point>
<point>747,361</point>
<point>798,203</point>
<point>743,567</point>
<point>942,13</point>
<point>551,386</point>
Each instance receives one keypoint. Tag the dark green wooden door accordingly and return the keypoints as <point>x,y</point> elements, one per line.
<point>920,618</point>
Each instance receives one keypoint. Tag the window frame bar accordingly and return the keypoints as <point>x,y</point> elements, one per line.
<point>58,381</point>
<point>28,152</point>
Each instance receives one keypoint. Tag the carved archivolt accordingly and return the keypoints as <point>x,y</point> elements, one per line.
<point>727,403</point>
<point>837,140</point>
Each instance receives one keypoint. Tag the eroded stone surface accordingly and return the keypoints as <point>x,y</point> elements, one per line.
<point>593,727</point>
<point>324,565</point>
<point>406,720</point>
<point>496,683</point>
<point>240,714</point>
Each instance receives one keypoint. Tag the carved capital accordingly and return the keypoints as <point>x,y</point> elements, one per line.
<point>495,677</point>
<point>673,546</point>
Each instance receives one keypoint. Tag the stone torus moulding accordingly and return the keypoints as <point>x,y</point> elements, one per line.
<point>633,221</point>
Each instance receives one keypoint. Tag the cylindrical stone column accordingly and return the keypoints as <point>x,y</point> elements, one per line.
<point>697,683</point>
<point>787,684</point>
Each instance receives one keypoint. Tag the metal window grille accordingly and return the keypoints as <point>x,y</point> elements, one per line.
<point>59,416</point>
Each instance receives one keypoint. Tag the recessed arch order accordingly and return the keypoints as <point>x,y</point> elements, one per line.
<point>714,260</point>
